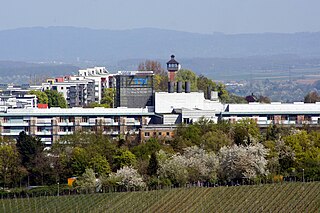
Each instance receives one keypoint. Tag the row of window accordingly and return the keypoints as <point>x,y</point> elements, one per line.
<point>154,134</point>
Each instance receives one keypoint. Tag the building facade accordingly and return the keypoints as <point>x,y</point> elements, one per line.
<point>50,125</point>
<point>134,89</point>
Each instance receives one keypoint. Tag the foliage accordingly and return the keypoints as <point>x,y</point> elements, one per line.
<point>9,163</point>
<point>28,147</point>
<point>87,181</point>
<point>234,99</point>
<point>41,96</point>
<point>100,165</point>
<point>195,164</point>
<point>238,162</point>
<point>143,151</point>
<point>128,177</point>
<point>184,75</point>
<point>246,131</point>
<point>55,99</point>
<point>312,97</point>
<point>153,165</point>
<point>124,158</point>
<point>150,65</point>
<point>108,97</point>
<point>160,79</point>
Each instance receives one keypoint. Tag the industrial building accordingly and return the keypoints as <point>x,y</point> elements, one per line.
<point>134,89</point>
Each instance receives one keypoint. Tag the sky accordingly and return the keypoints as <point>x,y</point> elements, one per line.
<point>201,16</point>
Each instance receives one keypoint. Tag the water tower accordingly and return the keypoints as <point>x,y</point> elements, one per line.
<point>172,66</point>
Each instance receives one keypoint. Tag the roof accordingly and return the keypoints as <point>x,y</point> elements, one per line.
<point>172,61</point>
<point>77,111</point>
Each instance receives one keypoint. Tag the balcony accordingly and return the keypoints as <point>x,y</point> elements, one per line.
<point>16,123</point>
<point>65,133</point>
<point>44,133</point>
<point>47,141</point>
<point>65,123</point>
<point>12,132</point>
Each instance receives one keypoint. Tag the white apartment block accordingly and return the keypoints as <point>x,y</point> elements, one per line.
<point>52,124</point>
<point>101,77</point>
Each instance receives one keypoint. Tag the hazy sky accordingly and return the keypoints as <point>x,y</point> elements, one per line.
<point>203,16</point>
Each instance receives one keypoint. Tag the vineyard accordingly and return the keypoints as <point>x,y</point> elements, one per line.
<point>286,197</point>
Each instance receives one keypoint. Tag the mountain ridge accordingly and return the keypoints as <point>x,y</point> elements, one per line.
<point>73,44</point>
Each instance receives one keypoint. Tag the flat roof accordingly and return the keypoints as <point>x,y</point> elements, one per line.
<point>76,111</point>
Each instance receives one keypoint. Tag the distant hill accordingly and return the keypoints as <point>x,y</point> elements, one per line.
<point>70,44</point>
<point>23,72</point>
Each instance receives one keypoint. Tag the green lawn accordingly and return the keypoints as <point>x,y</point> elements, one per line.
<point>286,197</point>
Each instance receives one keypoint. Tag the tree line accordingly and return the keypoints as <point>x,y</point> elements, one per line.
<point>200,153</point>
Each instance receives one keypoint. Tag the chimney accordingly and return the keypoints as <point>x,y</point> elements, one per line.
<point>170,87</point>
<point>187,87</point>
<point>179,87</point>
<point>209,92</point>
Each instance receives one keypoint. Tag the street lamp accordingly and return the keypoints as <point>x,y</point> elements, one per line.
<point>58,189</point>
<point>303,175</point>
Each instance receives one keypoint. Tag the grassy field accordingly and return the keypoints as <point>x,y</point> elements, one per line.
<point>286,197</point>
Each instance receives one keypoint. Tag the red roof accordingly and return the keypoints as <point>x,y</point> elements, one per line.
<point>42,106</point>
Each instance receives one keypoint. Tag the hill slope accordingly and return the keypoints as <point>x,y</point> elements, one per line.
<point>70,44</point>
<point>287,197</point>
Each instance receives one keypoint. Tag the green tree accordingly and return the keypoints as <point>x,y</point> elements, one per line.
<point>153,165</point>
<point>144,150</point>
<point>184,75</point>
<point>41,96</point>
<point>306,153</point>
<point>215,140</point>
<point>87,181</point>
<point>124,158</point>
<point>100,165</point>
<point>29,148</point>
<point>160,82</point>
<point>55,99</point>
<point>9,164</point>
<point>108,97</point>
<point>79,161</point>
<point>246,131</point>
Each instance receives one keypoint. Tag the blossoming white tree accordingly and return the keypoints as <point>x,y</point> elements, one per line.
<point>195,164</point>
<point>237,162</point>
<point>128,177</point>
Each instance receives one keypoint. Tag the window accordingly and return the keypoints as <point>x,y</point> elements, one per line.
<point>159,133</point>
<point>154,133</point>
<point>147,134</point>
<point>168,133</point>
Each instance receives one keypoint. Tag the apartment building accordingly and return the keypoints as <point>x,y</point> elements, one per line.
<point>295,114</point>
<point>101,77</point>
<point>50,125</point>
<point>76,92</point>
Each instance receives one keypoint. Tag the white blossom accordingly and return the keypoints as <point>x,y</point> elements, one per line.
<point>243,161</point>
<point>128,177</point>
<point>195,164</point>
